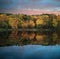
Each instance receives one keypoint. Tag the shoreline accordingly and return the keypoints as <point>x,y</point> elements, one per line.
<point>27,30</point>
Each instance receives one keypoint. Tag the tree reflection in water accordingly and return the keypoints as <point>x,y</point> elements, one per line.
<point>24,38</point>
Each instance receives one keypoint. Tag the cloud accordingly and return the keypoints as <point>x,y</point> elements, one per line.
<point>36,5</point>
<point>57,0</point>
<point>46,9</point>
<point>35,0</point>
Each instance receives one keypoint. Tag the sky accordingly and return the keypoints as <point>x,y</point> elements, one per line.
<point>29,6</point>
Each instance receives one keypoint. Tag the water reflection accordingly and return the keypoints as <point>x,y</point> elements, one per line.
<point>24,38</point>
<point>30,52</point>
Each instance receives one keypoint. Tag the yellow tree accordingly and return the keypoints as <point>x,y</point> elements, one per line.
<point>24,24</point>
<point>13,22</point>
<point>40,21</point>
<point>31,24</point>
<point>3,17</point>
<point>54,23</point>
<point>4,21</point>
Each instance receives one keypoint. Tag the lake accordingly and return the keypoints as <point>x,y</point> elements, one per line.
<point>29,45</point>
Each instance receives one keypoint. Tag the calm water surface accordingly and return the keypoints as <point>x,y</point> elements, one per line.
<point>29,45</point>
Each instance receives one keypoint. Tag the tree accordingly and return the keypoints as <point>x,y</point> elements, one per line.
<point>3,21</point>
<point>54,23</point>
<point>31,24</point>
<point>40,22</point>
<point>13,22</point>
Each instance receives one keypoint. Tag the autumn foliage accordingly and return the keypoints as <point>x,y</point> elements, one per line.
<point>17,21</point>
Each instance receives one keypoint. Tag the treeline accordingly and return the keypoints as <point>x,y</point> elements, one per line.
<point>17,21</point>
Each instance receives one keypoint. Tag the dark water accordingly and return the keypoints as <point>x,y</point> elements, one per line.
<point>29,45</point>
